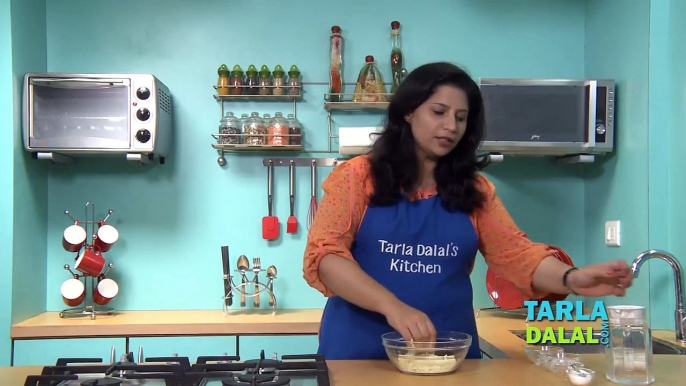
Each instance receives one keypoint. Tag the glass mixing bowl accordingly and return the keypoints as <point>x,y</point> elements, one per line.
<point>427,358</point>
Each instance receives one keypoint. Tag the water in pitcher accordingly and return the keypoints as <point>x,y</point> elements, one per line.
<point>629,354</point>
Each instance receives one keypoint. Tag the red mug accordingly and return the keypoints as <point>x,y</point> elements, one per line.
<point>105,291</point>
<point>90,262</point>
<point>107,235</point>
<point>73,292</point>
<point>74,237</point>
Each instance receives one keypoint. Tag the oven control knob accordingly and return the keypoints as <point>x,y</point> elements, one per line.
<point>143,93</point>
<point>143,135</point>
<point>600,128</point>
<point>143,114</point>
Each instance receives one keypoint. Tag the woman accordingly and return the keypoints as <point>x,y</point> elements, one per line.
<point>396,234</point>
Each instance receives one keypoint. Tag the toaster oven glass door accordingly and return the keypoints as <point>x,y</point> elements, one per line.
<point>538,113</point>
<point>80,114</point>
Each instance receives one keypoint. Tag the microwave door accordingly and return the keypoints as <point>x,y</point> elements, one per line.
<point>536,114</point>
<point>80,114</point>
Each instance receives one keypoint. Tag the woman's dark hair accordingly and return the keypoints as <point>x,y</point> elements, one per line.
<point>393,156</point>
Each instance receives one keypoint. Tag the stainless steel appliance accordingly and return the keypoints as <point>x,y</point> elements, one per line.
<point>290,370</point>
<point>548,117</point>
<point>67,114</point>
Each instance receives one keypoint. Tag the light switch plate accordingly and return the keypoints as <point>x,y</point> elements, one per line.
<point>612,234</point>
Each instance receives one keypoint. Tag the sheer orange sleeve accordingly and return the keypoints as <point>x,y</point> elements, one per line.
<point>346,193</point>
<point>506,249</point>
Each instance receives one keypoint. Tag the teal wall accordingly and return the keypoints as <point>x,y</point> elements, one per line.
<point>617,41</point>
<point>30,177</point>
<point>6,194</point>
<point>173,219</point>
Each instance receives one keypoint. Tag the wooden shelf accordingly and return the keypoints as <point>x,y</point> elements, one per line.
<point>171,323</point>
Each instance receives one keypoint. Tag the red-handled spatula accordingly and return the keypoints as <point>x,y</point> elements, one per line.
<point>292,224</point>
<point>270,224</point>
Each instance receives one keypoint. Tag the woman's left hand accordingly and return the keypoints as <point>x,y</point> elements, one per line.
<point>612,278</point>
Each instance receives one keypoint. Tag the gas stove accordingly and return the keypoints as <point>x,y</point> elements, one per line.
<point>290,370</point>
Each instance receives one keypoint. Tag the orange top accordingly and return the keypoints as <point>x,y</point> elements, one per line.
<point>347,190</point>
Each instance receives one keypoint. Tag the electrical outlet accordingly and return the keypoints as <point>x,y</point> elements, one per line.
<point>612,233</point>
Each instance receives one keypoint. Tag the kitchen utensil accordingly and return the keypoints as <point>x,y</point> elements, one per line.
<point>292,224</point>
<point>430,358</point>
<point>73,292</point>
<point>107,236</point>
<point>503,293</point>
<point>270,224</point>
<point>313,201</point>
<point>227,285</point>
<point>90,262</point>
<point>74,237</point>
<point>271,274</point>
<point>242,268</point>
<point>256,269</point>
<point>105,291</point>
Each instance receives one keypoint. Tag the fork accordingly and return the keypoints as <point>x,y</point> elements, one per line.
<point>256,268</point>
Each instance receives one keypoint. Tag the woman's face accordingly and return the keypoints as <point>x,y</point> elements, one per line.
<point>440,122</point>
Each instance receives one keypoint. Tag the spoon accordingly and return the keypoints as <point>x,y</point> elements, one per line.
<point>242,267</point>
<point>271,274</point>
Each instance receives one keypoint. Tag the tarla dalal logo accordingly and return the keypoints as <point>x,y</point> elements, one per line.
<point>566,311</point>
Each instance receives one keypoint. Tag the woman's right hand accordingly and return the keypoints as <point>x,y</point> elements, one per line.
<point>411,323</point>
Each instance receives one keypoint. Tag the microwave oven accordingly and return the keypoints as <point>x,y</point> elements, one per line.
<point>548,117</point>
<point>66,115</point>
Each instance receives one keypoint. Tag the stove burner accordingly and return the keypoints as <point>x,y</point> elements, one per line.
<point>101,382</point>
<point>257,379</point>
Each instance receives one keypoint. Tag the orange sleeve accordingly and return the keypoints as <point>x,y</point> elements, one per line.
<point>338,217</point>
<point>507,250</point>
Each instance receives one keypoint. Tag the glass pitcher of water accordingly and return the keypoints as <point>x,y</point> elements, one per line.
<point>629,352</point>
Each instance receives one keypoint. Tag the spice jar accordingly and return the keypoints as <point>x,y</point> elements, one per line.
<point>255,130</point>
<point>279,82</point>
<point>237,80</point>
<point>251,81</point>
<point>242,123</point>
<point>229,125</point>
<point>294,80</point>
<point>294,130</point>
<point>223,81</point>
<point>265,88</point>
<point>278,130</point>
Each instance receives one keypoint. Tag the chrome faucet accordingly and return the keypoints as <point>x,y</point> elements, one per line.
<point>679,313</point>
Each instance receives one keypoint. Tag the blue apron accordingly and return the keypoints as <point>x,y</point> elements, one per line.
<point>421,253</point>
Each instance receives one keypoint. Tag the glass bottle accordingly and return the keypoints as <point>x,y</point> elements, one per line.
<point>294,80</point>
<point>244,125</point>
<point>255,134</point>
<point>223,80</point>
<point>279,81</point>
<point>369,87</point>
<point>278,128</point>
<point>336,66</point>
<point>251,81</point>
<point>294,130</point>
<point>237,80</point>
<point>229,124</point>
<point>396,56</point>
<point>629,352</point>
<point>265,78</point>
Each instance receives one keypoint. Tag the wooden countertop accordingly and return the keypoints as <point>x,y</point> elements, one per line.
<point>511,372</point>
<point>494,330</point>
<point>170,323</point>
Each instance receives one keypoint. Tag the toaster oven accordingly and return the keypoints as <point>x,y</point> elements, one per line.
<point>66,115</point>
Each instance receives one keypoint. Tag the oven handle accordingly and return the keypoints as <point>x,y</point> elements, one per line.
<point>79,80</point>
